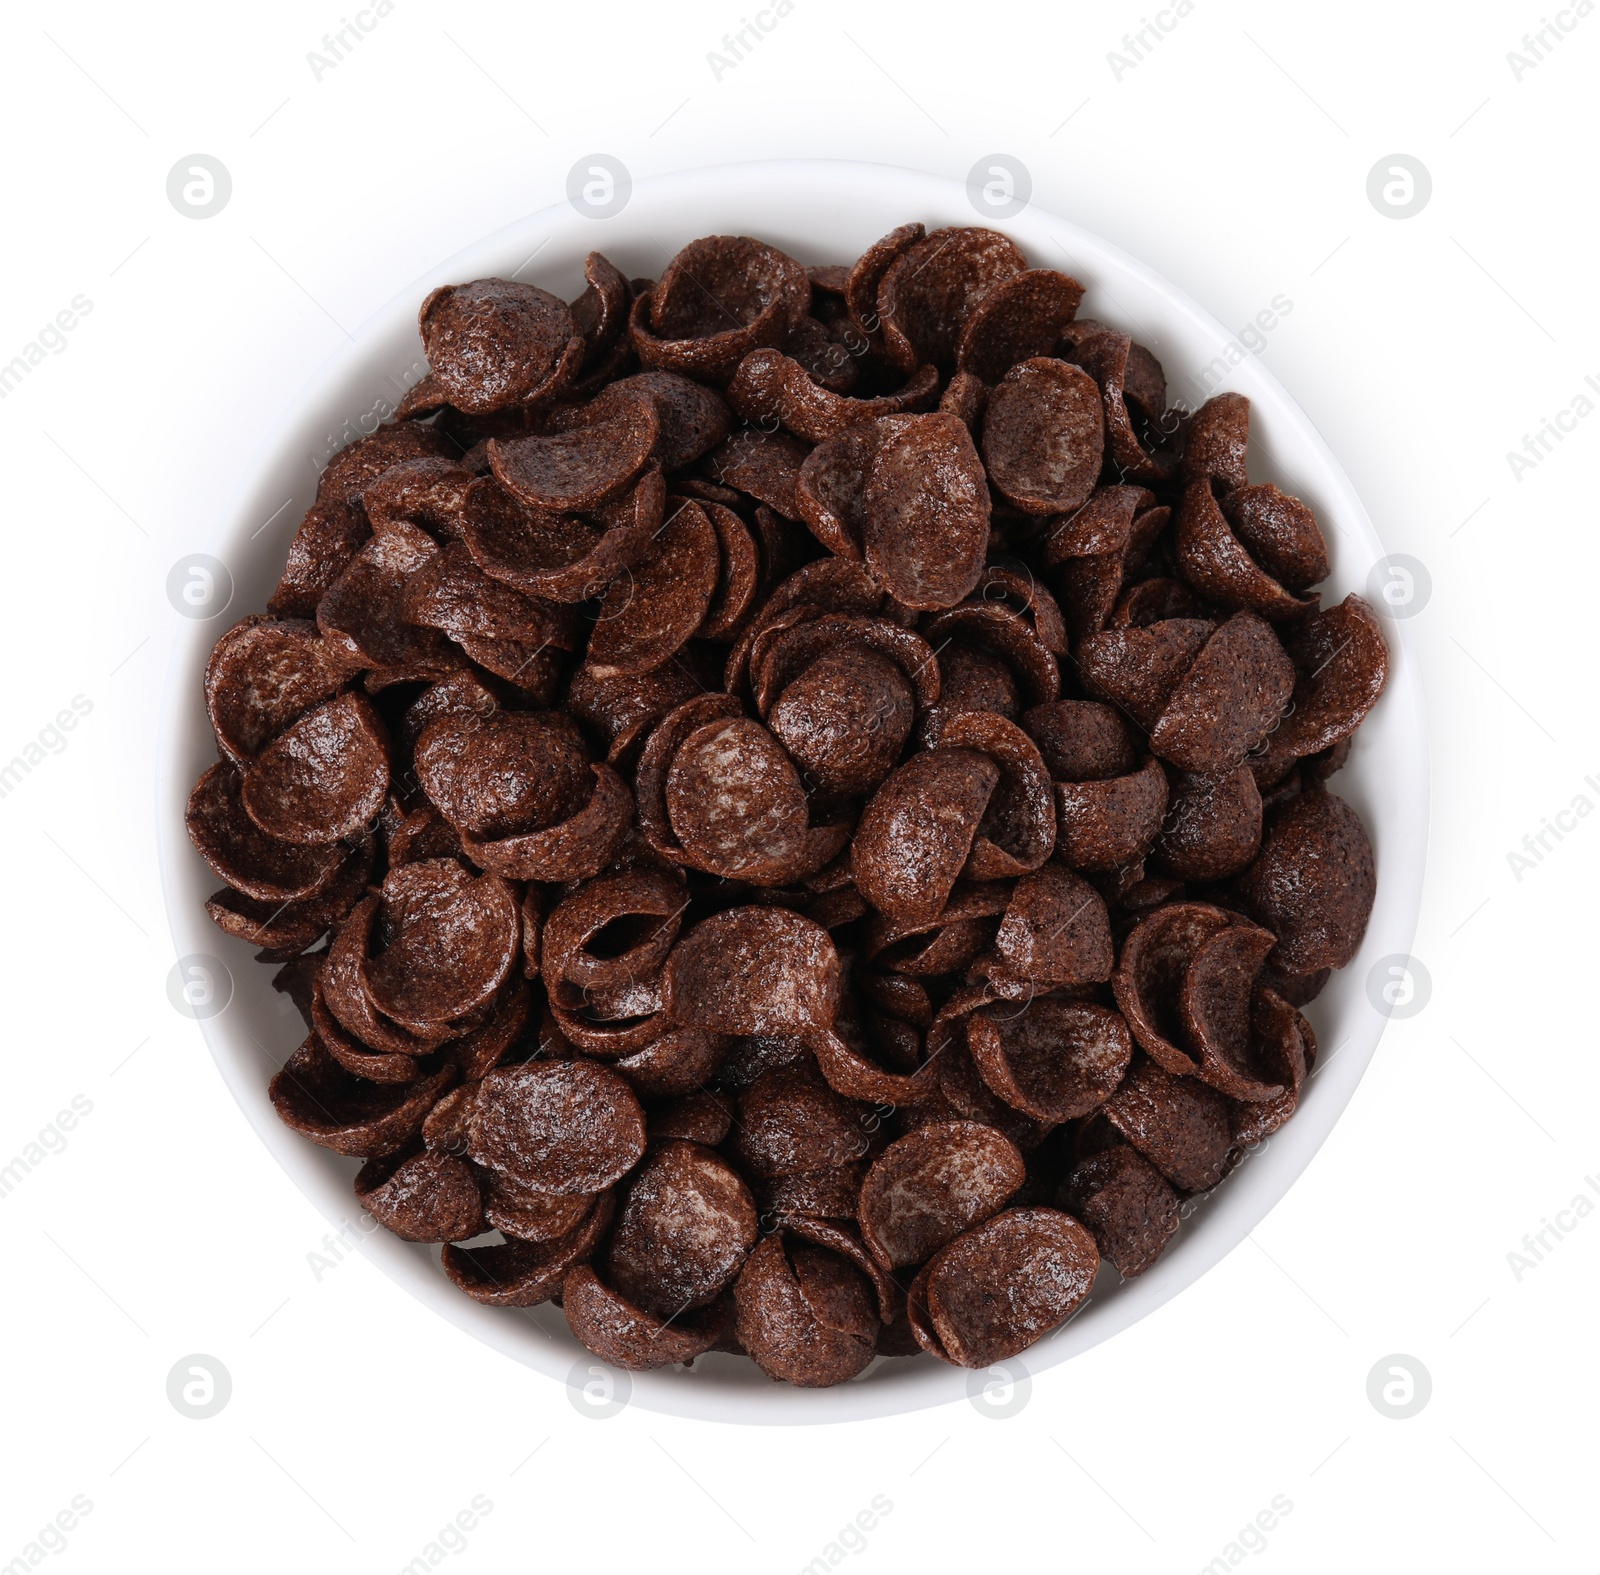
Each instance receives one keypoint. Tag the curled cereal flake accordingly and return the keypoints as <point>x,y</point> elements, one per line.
<point>753,971</point>
<point>1044,436</point>
<point>482,1049</point>
<point>530,1216</point>
<point>1081,740</point>
<point>583,467</point>
<point>622,710</point>
<point>990,628</point>
<point>572,849</point>
<point>428,1197</point>
<point>791,1121</point>
<point>1105,357</point>
<point>738,808</point>
<point>262,675</point>
<point>692,419</point>
<point>283,929</point>
<point>355,1055</point>
<point>1280,533</point>
<point>685,1225</point>
<point>1019,319</point>
<point>841,1239</point>
<point>1313,882</point>
<point>557,1126</point>
<point>525,1273</point>
<point>830,486</point>
<point>1054,1060</point>
<point>613,931</point>
<point>507,772</point>
<point>1228,701</point>
<point>242,854</point>
<point>456,694</point>
<point>1018,830</point>
<point>1055,933</point>
<point>496,343</point>
<point>332,532</point>
<point>426,493</point>
<point>1283,1042</point>
<point>1002,1285</point>
<point>738,575</point>
<point>1179,1124</point>
<point>721,289</point>
<point>764,464</point>
<point>928,1187</point>
<point>930,289</point>
<point>1138,669</point>
<point>363,616</point>
<point>650,612</point>
<point>772,386</point>
<point>1214,561</point>
<point>677,1061</point>
<point>866,273</point>
<point>1152,600</point>
<point>452,594</point>
<point>804,1315</point>
<point>848,1071</point>
<point>1150,974</point>
<point>965,397</point>
<point>916,833</point>
<point>342,987</point>
<point>324,777</point>
<point>1217,441</point>
<point>828,585</point>
<point>700,1117</point>
<point>557,555</point>
<point>446,941</point>
<point>320,1100</point>
<point>1215,1005</point>
<point>826,1194</point>
<point>1126,1204</point>
<point>921,948</point>
<point>600,314</point>
<point>627,1336</point>
<point>1212,828</point>
<point>1343,664</point>
<point>926,512</point>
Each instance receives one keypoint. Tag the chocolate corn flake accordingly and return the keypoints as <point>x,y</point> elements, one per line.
<point>762,781</point>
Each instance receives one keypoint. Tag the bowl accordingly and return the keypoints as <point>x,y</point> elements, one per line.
<point>821,212</point>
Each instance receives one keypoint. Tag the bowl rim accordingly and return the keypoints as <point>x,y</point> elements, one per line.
<point>1394,804</point>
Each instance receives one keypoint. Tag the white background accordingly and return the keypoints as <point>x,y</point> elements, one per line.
<point>1233,158</point>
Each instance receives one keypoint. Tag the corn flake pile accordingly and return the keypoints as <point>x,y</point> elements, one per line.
<point>796,799</point>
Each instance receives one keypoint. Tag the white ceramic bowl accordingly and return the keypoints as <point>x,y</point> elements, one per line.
<point>822,212</point>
